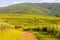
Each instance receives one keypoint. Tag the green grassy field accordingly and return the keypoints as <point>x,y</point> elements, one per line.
<point>30,22</point>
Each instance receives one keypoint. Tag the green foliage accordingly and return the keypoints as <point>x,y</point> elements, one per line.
<point>44,29</point>
<point>28,29</point>
<point>17,27</point>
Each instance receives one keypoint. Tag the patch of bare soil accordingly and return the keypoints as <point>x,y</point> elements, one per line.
<point>28,36</point>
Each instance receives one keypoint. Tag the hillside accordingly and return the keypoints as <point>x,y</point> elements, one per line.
<point>53,7</point>
<point>33,8</point>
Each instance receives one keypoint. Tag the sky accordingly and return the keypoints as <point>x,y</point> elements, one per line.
<point>9,2</point>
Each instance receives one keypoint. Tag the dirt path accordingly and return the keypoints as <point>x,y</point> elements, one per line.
<point>28,36</point>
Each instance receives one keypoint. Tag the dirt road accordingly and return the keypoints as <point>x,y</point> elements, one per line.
<point>28,36</point>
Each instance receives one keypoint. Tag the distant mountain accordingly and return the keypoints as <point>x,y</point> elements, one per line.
<point>33,8</point>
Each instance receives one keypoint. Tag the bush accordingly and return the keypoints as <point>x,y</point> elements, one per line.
<point>36,29</point>
<point>44,29</point>
<point>5,26</point>
<point>17,27</point>
<point>26,29</point>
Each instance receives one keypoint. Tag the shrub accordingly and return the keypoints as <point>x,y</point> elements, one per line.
<point>44,29</point>
<point>17,27</point>
<point>5,26</point>
<point>26,29</point>
<point>36,29</point>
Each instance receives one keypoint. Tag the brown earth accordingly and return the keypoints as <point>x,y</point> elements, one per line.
<point>28,36</point>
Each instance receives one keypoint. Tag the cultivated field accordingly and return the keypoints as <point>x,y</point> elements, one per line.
<point>41,27</point>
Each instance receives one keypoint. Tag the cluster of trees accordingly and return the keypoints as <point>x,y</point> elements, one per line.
<point>46,30</point>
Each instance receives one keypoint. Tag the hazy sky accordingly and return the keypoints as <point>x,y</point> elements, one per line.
<point>9,2</point>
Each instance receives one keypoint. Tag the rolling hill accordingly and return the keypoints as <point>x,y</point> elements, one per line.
<point>50,9</point>
<point>53,7</point>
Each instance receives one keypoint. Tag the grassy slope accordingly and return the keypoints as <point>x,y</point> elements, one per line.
<point>25,8</point>
<point>53,7</point>
<point>33,8</point>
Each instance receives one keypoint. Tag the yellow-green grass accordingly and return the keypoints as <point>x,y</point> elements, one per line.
<point>23,19</point>
<point>25,16</point>
<point>41,36</point>
<point>10,35</point>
